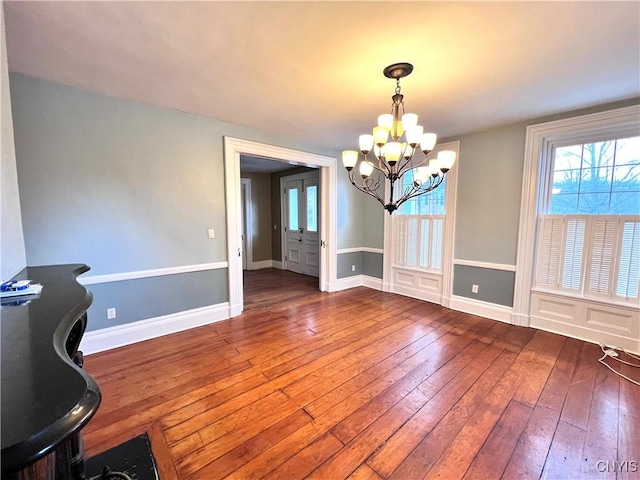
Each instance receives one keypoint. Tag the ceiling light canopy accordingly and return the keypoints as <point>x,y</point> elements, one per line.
<point>394,143</point>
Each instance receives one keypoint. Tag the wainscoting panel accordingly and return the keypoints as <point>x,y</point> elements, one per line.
<point>417,284</point>
<point>586,319</point>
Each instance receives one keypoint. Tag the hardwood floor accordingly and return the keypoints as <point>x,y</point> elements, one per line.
<point>270,286</point>
<point>361,384</point>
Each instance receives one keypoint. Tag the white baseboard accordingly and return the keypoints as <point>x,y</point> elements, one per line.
<point>417,294</point>
<point>372,282</point>
<point>260,265</point>
<point>355,281</point>
<point>482,309</point>
<point>586,334</point>
<point>120,335</point>
<point>276,264</point>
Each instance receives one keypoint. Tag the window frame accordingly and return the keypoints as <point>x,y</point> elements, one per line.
<point>540,139</point>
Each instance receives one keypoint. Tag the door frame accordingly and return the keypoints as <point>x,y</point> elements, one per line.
<point>248,219</point>
<point>233,148</point>
<point>283,204</point>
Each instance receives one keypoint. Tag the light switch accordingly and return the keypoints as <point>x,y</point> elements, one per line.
<point>211,233</point>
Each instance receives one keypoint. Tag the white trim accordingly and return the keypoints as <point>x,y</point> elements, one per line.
<point>372,282</point>
<point>120,335</point>
<point>417,293</point>
<point>360,249</point>
<point>540,139</point>
<point>260,265</point>
<point>346,283</point>
<point>157,272</point>
<point>585,334</point>
<point>248,221</point>
<point>356,281</point>
<point>482,309</point>
<point>492,266</point>
<point>233,147</point>
<point>276,264</point>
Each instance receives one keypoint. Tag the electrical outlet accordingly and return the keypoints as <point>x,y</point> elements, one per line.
<point>111,313</point>
<point>474,288</point>
<point>353,268</point>
<point>211,233</point>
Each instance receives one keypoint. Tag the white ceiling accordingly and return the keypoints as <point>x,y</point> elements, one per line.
<point>313,70</point>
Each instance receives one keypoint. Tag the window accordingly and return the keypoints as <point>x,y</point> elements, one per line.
<point>312,208</point>
<point>293,209</point>
<point>597,178</point>
<point>589,230</point>
<point>419,229</point>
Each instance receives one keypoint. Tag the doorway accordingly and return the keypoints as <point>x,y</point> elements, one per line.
<point>301,242</point>
<point>327,239</point>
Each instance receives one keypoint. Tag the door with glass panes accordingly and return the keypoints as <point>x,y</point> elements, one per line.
<point>301,236</point>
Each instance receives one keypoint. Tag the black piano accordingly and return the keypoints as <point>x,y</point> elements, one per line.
<point>47,398</point>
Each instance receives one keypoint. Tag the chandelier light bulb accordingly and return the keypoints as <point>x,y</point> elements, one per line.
<point>409,120</point>
<point>385,120</point>
<point>422,174</point>
<point>446,159</point>
<point>392,152</point>
<point>407,151</point>
<point>428,141</point>
<point>366,143</point>
<point>435,166</point>
<point>365,169</point>
<point>380,135</point>
<point>349,159</point>
<point>414,135</point>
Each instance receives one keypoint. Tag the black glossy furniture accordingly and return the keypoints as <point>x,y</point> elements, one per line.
<point>46,396</point>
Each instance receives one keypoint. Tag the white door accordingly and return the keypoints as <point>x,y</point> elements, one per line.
<point>301,235</point>
<point>293,225</point>
<point>310,236</point>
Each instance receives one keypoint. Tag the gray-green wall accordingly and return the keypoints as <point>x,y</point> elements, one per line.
<point>123,187</point>
<point>260,215</point>
<point>12,252</point>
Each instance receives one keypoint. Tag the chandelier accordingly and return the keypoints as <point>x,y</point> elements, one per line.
<point>393,159</point>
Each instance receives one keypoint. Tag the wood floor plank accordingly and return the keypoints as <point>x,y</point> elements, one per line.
<point>459,455</point>
<point>439,427</point>
<point>496,451</point>
<point>565,454</point>
<point>392,410</point>
<point>235,458</point>
<point>533,446</point>
<point>307,459</point>
<point>580,392</point>
<point>364,472</point>
<point>601,438</point>
<point>629,419</point>
<point>363,384</point>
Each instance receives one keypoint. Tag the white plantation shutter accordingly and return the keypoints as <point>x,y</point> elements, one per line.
<point>412,242</point>
<point>629,261</point>
<point>419,240</point>
<point>549,251</point>
<point>603,236</point>
<point>425,237</point>
<point>401,239</point>
<point>573,250</point>
<point>436,243</point>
